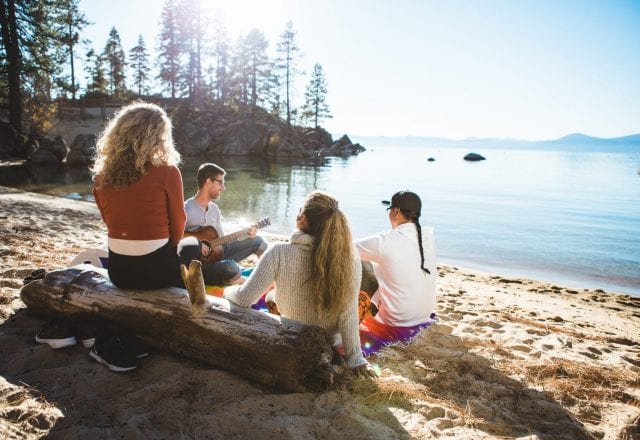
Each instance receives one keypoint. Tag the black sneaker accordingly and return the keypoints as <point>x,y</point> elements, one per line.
<point>113,353</point>
<point>35,275</point>
<point>57,333</point>
<point>86,333</point>
<point>134,345</point>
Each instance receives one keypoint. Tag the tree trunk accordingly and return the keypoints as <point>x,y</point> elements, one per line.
<point>10,41</point>
<point>276,352</point>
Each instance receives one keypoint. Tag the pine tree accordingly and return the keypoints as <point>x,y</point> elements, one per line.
<point>315,98</point>
<point>237,78</point>
<point>73,22</point>
<point>139,59</point>
<point>258,71</point>
<point>191,22</point>
<point>169,48</point>
<point>96,75</point>
<point>115,58</point>
<point>13,68</point>
<point>288,55</point>
<point>222,61</point>
<point>31,53</point>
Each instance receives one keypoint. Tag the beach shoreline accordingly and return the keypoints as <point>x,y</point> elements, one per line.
<point>510,357</point>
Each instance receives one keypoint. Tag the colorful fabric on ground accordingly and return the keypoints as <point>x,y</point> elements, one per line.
<point>374,335</point>
<point>261,305</point>
<point>214,290</point>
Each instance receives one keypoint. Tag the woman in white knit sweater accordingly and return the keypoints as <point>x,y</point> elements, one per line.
<point>317,276</point>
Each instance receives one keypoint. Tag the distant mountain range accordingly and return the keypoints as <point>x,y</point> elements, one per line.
<point>575,141</point>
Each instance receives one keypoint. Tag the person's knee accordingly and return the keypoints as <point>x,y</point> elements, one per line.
<point>262,246</point>
<point>222,272</point>
<point>369,283</point>
<point>229,269</point>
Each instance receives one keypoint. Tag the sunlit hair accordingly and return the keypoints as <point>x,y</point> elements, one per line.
<point>138,135</point>
<point>332,260</point>
<point>208,171</point>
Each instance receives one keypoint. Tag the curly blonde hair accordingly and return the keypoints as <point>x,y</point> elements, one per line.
<point>138,135</point>
<point>332,260</point>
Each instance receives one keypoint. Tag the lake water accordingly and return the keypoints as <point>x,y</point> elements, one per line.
<point>565,217</point>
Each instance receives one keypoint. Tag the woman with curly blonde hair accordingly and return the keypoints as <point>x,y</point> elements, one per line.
<point>317,276</point>
<point>138,189</point>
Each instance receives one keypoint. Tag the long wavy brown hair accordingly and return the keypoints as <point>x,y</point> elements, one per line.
<point>332,260</point>
<point>138,136</point>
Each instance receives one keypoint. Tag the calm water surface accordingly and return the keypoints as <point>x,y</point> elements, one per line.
<point>566,217</point>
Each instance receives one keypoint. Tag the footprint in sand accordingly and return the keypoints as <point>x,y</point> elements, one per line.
<point>522,348</point>
<point>532,331</point>
<point>436,412</point>
<point>487,323</point>
<point>589,354</point>
<point>594,350</point>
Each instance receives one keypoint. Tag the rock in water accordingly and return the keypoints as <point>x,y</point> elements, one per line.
<point>473,157</point>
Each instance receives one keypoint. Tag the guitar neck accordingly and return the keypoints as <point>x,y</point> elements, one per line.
<point>230,237</point>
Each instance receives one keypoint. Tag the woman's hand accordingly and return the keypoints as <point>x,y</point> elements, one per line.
<point>364,371</point>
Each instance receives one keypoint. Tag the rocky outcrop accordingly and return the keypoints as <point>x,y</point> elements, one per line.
<point>82,150</point>
<point>212,132</point>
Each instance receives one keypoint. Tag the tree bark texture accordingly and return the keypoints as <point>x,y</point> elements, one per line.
<point>9,29</point>
<point>275,352</point>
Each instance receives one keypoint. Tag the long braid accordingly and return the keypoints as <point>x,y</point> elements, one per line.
<point>419,229</point>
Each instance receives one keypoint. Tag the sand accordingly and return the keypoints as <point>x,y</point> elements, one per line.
<point>509,358</point>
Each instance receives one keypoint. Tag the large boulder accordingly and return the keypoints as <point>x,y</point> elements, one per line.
<point>82,150</point>
<point>49,151</point>
<point>246,137</point>
<point>44,157</point>
<point>56,145</point>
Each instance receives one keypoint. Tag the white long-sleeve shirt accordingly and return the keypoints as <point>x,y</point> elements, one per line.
<point>289,265</point>
<point>406,295</point>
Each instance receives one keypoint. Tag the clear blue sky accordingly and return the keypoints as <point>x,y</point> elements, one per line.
<point>528,69</point>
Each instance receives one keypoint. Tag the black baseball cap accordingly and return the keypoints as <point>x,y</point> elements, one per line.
<point>408,202</point>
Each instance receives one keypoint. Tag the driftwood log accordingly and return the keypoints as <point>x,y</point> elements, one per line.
<point>276,352</point>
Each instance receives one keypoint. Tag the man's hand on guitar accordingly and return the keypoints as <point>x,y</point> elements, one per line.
<point>211,254</point>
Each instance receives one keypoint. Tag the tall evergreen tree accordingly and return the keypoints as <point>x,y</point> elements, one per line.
<point>9,19</point>
<point>237,79</point>
<point>31,54</point>
<point>96,75</point>
<point>258,71</point>
<point>222,62</point>
<point>115,58</point>
<point>169,48</point>
<point>139,60</point>
<point>286,63</point>
<point>315,98</point>
<point>191,25</point>
<point>73,22</point>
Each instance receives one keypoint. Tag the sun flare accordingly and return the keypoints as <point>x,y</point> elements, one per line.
<point>240,16</point>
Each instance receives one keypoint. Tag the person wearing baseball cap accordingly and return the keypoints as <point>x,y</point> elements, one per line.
<point>403,260</point>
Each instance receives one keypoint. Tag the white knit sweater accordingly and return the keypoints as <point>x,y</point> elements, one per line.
<point>289,265</point>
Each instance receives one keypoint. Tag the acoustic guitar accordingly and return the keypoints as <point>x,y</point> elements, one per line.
<point>216,241</point>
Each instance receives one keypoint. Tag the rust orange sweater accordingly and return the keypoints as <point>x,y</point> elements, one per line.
<point>152,208</point>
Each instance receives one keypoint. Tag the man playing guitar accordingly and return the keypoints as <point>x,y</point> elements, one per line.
<point>204,223</point>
